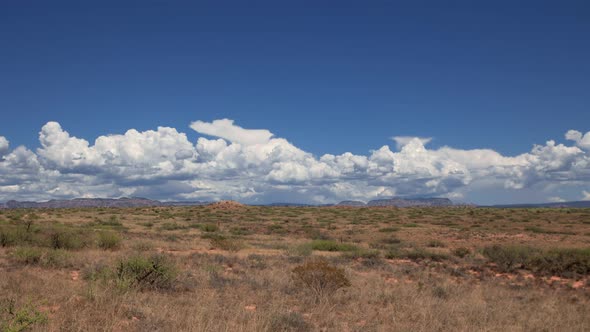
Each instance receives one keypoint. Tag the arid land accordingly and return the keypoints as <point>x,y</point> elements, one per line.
<point>229,267</point>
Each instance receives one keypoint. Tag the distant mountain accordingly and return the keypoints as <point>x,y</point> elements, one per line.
<point>94,202</point>
<point>574,204</point>
<point>407,202</point>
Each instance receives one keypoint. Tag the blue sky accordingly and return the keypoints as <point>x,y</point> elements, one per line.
<point>329,77</point>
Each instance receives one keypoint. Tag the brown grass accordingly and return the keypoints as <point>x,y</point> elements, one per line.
<point>435,279</point>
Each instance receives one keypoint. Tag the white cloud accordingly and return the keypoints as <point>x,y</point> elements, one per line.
<point>401,141</point>
<point>583,141</point>
<point>226,129</point>
<point>3,146</point>
<point>255,166</point>
<point>555,199</point>
<point>585,195</point>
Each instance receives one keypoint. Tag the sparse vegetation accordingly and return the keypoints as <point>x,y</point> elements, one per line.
<point>203,268</point>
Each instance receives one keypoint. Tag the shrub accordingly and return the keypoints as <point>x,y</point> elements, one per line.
<point>155,272</point>
<point>461,252</point>
<point>369,258</point>
<point>27,255</point>
<point>56,258</point>
<point>509,258</point>
<point>209,228</point>
<point>97,271</point>
<point>329,245</point>
<point>435,244</point>
<point>389,229</point>
<point>109,240</point>
<point>228,244</point>
<point>62,239</point>
<point>289,322</point>
<point>563,262</point>
<point>415,254</point>
<point>320,277</point>
<point>301,250</point>
<point>8,237</point>
<point>16,319</point>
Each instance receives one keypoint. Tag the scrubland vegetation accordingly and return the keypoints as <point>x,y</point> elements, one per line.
<point>243,268</point>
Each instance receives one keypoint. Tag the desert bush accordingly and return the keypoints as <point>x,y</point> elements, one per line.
<point>27,255</point>
<point>509,258</point>
<point>97,271</point>
<point>8,237</point>
<point>289,322</point>
<point>330,245</point>
<point>320,277</point>
<point>369,258</point>
<point>563,262</point>
<point>461,252</point>
<point>15,318</point>
<point>155,272</point>
<point>435,244</point>
<point>109,240</point>
<point>65,239</point>
<point>300,250</point>
<point>389,229</point>
<point>209,228</point>
<point>56,258</point>
<point>415,254</point>
<point>228,244</point>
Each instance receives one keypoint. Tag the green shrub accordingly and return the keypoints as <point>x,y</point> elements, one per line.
<point>301,250</point>
<point>389,229</point>
<point>415,254</point>
<point>17,319</point>
<point>27,255</point>
<point>509,258</point>
<point>64,239</point>
<point>228,244</point>
<point>289,322</point>
<point>461,252</point>
<point>330,245</point>
<point>56,258</point>
<point>209,228</point>
<point>8,237</point>
<point>563,262</point>
<point>435,244</point>
<point>320,277</point>
<point>109,241</point>
<point>155,272</point>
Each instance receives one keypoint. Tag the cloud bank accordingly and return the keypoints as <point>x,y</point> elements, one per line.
<point>255,166</point>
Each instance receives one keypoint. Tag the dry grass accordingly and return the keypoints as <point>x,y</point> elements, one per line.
<point>215,269</point>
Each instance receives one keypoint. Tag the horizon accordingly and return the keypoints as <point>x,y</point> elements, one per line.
<point>302,103</point>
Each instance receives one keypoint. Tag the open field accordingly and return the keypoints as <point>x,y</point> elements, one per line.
<point>229,267</point>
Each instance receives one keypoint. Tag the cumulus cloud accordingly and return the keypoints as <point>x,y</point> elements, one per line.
<point>582,140</point>
<point>226,129</point>
<point>3,146</point>
<point>255,166</point>
<point>401,141</point>
<point>585,195</point>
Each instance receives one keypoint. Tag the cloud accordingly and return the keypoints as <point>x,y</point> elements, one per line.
<point>585,195</point>
<point>255,166</point>
<point>3,146</point>
<point>583,141</point>
<point>555,199</point>
<point>401,141</point>
<point>226,129</point>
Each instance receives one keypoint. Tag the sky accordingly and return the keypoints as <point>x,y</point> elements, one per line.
<point>301,101</point>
